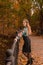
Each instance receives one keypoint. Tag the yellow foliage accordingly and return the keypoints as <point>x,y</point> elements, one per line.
<point>16,6</point>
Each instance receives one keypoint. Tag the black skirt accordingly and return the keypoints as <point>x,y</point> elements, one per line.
<point>27,44</point>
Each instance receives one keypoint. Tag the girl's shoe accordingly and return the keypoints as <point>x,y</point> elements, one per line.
<point>30,61</point>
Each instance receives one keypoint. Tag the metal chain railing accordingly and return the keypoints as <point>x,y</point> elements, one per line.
<point>12,54</point>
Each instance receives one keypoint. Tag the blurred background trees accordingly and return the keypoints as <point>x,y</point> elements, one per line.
<point>12,13</point>
<point>37,7</point>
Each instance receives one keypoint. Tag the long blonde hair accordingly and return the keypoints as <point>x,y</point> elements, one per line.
<point>28,26</point>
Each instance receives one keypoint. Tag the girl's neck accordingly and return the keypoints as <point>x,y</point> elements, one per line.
<point>24,26</point>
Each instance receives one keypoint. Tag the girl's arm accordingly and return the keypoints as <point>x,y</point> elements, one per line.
<point>20,34</point>
<point>29,30</point>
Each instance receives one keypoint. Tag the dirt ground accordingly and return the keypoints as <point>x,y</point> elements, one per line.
<point>36,46</point>
<point>37,51</point>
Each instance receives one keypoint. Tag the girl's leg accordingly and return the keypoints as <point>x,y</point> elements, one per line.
<point>30,61</point>
<point>28,57</point>
<point>25,54</point>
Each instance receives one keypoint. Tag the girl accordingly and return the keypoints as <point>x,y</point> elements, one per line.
<point>27,43</point>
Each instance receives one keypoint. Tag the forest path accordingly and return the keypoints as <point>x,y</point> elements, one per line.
<point>37,51</point>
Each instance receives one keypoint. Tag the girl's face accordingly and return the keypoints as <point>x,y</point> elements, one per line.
<point>24,23</point>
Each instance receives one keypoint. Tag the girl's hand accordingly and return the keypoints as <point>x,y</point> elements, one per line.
<point>20,34</point>
<point>15,39</point>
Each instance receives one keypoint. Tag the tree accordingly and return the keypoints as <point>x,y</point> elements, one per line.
<point>38,4</point>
